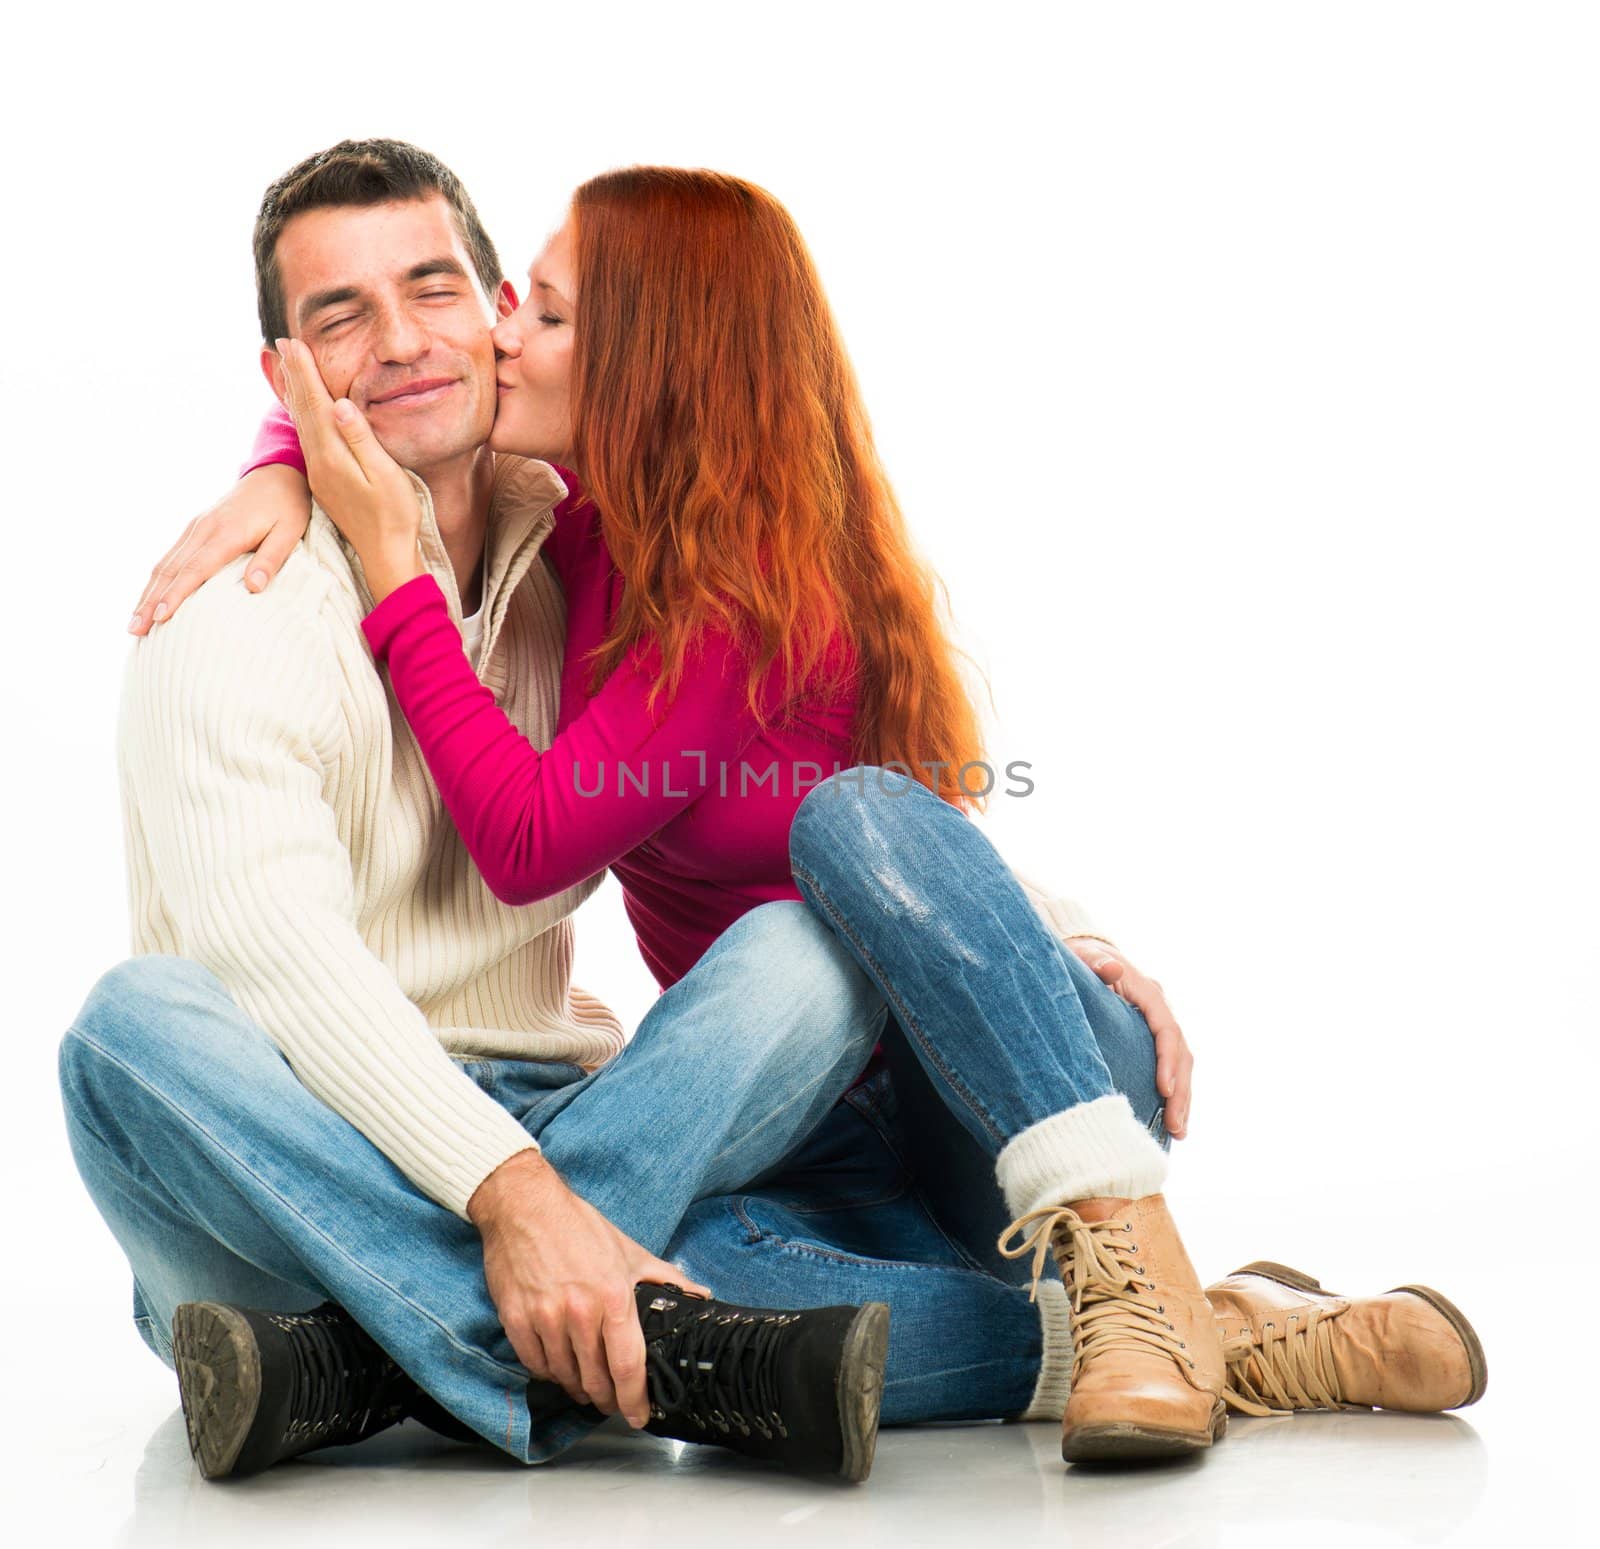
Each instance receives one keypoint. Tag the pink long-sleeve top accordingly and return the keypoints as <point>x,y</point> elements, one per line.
<point>678,801</point>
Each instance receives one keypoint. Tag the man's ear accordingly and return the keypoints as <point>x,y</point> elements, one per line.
<point>272,370</point>
<point>505,301</point>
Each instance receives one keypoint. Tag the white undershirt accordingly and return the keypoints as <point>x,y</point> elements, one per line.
<point>472,635</point>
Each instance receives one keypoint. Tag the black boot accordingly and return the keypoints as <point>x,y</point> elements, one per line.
<point>260,1387</point>
<point>798,1388</point>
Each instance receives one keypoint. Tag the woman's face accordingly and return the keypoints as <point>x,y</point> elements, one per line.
<point>534,360</point>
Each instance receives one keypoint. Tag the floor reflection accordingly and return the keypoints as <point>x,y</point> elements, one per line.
<point>1404,1478</point>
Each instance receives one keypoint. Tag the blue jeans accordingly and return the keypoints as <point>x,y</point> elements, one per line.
<point>224,1179</point>
<point>994,1026</point>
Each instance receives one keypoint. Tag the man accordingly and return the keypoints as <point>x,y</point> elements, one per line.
<point>343,1071</point>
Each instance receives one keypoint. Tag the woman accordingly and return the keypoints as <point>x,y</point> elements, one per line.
<point>739,580</point>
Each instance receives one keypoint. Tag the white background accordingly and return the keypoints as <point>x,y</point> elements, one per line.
<point>1236,366</point>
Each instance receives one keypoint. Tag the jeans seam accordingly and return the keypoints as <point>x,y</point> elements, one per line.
<point>267,1188</point>
<point>907,1022</point>
<point>753,1232</point>
<point>836,1256</point>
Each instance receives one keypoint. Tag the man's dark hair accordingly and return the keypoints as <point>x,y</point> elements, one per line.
<point>359,172</point>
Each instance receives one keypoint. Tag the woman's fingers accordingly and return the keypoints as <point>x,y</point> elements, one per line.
<point>308,402</point>
<point>162,575</point>
<point>291,385</point>
<point>180,575</point>
<point>269,559</point>
<point>359,438</point>
<point>265,515</point>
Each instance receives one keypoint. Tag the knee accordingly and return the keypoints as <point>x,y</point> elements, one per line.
<point>816,1001</point>
<point>129,1009</point>
<point>847,814</point>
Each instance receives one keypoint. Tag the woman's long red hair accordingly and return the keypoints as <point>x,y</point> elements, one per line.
<point>719,429</point>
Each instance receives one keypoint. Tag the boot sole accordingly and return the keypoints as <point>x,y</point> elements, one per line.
<point>1477,1361</point>
<point>219,1382</point>
<point>1114,1440</point>
<point>860,1388</point>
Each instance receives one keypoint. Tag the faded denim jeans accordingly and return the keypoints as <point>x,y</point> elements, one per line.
<point>225,1179</point>
<point>717,1138</point>
<point>994,1025</point>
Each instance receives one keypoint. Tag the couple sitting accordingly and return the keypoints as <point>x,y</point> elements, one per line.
<point>612,577</point>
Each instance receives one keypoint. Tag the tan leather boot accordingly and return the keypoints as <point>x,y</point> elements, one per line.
<point>1147,1374</point>
<point>1291,1345</point>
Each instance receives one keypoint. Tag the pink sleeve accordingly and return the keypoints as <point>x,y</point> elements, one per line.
<point>538,823</point>
<point>276,442</point>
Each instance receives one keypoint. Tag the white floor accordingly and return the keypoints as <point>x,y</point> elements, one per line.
<point>92,1447</point>
<point>105,1462</point>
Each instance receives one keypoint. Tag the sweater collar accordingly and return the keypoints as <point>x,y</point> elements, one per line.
<point>522,502</point>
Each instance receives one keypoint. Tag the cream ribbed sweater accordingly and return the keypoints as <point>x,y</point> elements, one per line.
<point>283,829</point>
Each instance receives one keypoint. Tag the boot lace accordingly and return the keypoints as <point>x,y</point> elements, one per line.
<point>1113,1303</point>
<point>339,1384</point>
<point>1291,1369</point>
<point>720,1371</point>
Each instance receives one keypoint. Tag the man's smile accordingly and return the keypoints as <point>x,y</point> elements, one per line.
<point>425,390</point>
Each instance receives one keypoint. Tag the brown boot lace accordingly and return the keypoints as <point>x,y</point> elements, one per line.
<point>1291,1369</point>
<point>1113,1305</point>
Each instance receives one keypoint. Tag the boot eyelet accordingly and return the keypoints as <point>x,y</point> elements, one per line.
<point>1183,1346</point>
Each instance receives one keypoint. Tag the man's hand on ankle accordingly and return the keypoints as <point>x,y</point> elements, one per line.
<point>561,1277</point>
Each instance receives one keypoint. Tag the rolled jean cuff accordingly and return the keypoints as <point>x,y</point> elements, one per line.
<point>1096,1150</point>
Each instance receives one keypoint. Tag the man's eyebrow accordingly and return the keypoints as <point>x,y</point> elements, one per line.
<point>435,266</point>
<point>318,299</point>
<point>338,294</point>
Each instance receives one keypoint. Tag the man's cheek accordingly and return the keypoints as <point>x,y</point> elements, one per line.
<point>338,370</point>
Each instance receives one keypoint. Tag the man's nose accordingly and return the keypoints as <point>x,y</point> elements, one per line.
<point>400,338</point>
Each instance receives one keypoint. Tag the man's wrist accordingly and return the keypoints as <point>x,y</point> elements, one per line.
<point>517,1178</point>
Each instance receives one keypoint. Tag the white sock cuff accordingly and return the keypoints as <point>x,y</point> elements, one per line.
<point>1097,1150</point>
<point>1054,1387</point>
